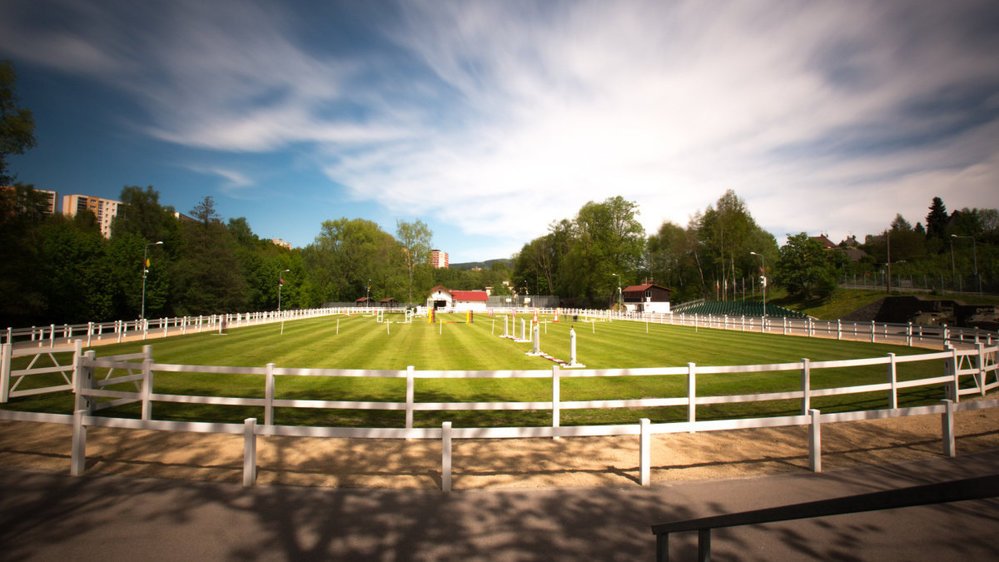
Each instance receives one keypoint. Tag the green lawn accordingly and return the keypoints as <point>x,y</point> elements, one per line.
<point>359,342</point>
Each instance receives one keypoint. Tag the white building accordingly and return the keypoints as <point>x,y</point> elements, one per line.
<point>458,301</point>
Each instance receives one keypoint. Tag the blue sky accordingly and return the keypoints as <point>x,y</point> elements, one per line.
<point>490,120</point>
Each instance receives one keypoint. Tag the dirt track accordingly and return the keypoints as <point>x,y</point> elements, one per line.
<point>491,464</point>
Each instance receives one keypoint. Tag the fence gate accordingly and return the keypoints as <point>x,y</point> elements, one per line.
<point>17,379</point>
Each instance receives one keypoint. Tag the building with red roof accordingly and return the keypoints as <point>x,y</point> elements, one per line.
<point>647,297</point>
<point>459,301</point>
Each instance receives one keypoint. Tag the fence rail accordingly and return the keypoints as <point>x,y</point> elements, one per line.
<point>117,331</point>
<point>966,370</point>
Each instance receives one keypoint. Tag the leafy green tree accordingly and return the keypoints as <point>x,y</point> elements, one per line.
<point>806,269</point>
<point>21,277</point>
<point>140,223</point>
<point>207,275</point>
<point>605,251</point>
<point>726,234</point>
<point>347,258</point>
<point>415,238</point>
<point>75,276</point>
<point>17,124</point>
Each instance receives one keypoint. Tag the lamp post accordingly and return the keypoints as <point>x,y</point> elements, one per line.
<point>145,272</point>
<point>953,268</point>
<point>280,285</point>
<point>367,294</point>
<point>888,262</point>
<point>618,283</point>
<point>974,253</point>
<point>763,280</point>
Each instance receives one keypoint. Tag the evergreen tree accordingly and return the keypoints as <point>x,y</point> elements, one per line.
<point>937,219</point>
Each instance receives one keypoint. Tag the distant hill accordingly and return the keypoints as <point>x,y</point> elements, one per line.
<point>482,264</point>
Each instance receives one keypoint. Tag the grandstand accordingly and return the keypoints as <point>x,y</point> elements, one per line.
<point>738,308</point>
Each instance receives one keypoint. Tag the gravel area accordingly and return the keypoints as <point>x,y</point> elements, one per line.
<point>491,464</point>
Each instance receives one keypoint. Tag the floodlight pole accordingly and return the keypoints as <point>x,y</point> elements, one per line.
<point>280,285</point>
<point>145,271</point>
<point>763,279</point>
<point>974,253</point>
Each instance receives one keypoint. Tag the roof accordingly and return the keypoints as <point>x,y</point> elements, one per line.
<point>642,288</point>
<point>469,296</point>
<point>825,241</point>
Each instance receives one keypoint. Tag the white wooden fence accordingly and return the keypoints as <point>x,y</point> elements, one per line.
<point>119,330</point>
<point>970,368</point>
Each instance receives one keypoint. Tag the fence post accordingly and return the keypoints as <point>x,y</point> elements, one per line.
<point>839,329</point>
<point>84,380</point>
<point>644,453</point>
<point>806,385</point>
<point>947,427</point>
<point>269,395</point>
<point>908,335</point>
<point>980,364</point>
<point>6,352</point>
<point>78,455</point>
<point>410,393</point>
<point>446,457</point>
<point>90,332</point>
<point>249,452</point>
<point>893,381</point>
<point>815,441</point>
<point>147,382</point>
<point>953,367</point>
<point>556,398</point>
<point>874,331</point>
<point>691,395</point>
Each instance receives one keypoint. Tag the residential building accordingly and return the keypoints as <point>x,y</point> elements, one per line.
<point>104,209</point>
<point>50,198</point>
<point>438,259</point>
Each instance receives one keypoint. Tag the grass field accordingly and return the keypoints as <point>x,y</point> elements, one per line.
<point>359,342</point>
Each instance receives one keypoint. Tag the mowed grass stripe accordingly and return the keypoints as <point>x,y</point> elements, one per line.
<point>362,343</point>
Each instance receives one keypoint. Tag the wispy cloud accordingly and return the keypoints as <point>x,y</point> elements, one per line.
<point>501,117</point>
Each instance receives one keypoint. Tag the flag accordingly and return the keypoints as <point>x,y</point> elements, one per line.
<point>280,280</point>
<point>147,263</point>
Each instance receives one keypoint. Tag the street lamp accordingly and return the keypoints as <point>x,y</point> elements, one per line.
<point>974,253</point>
<point>618,283</point>
<point>145,271</point>
<point>281,284</point>
<point>763,280</point>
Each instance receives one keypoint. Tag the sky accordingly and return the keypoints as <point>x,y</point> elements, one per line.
<point>491,120</point>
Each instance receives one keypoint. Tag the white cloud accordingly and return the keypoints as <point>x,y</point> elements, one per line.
<point>501,117</point>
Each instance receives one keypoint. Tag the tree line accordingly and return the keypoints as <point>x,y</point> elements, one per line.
<point>723,254</point>
<point>59,269</point>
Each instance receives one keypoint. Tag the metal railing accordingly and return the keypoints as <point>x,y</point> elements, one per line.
<point>959,490</point>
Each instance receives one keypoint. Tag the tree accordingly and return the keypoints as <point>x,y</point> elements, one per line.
<point>937,219</point>
<point>207,276</point>
<point>727,233</point>
<point>17,124</point>
<point>805,268</point>
<point>415,238</point>
<point>348,257</point>
<point>606,250</point>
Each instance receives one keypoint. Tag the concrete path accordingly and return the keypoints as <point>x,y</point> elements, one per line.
<point>55,517</point>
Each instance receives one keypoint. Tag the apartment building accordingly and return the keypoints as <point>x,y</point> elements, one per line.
<point>438,259</point>
<point>104,209</point>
